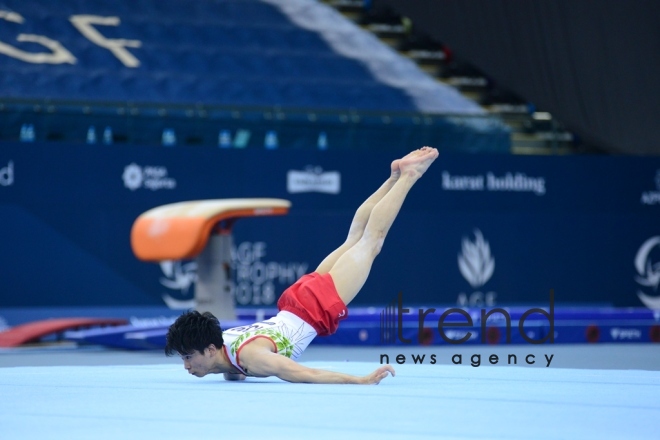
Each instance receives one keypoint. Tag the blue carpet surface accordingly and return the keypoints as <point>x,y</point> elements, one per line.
<point>422,401</point>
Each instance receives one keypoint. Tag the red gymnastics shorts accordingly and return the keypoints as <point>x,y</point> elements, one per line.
<point>314,299</point>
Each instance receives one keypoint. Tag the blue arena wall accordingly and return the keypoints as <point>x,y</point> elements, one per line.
<point>476,230</point>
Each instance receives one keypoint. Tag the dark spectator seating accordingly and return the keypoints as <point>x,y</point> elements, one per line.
<point>296,67</point>
<point>222,52</point>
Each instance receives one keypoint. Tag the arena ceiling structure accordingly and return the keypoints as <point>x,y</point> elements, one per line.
<point>593,64</point>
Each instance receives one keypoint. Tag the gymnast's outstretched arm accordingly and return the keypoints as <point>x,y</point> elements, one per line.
<point>266,363</point>
<point>260,360</point>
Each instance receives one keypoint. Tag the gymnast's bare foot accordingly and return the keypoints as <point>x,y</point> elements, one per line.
<point>396,171</point>
<point>414,165</point>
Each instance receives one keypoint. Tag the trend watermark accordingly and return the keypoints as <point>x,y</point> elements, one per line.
<point>457,326</point>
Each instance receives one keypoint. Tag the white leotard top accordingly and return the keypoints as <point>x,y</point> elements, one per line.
<point>289,334</point>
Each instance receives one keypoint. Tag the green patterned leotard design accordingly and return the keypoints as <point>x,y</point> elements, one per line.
<point>290,334</point>
<point>284,344</point>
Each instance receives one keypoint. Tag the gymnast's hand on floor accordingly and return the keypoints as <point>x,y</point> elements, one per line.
<point>378,375</point>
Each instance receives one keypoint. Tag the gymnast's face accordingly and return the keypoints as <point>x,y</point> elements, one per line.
<point>198,364</point>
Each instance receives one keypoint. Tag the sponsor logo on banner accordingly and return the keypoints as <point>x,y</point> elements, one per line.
<point>148,177</point>
<point>477,266</point>
<point>313,179</point>
<point>509,182</point>
<point>254,281</point>
<point>625,334</point>
<point>7,175</point>
<point>648,272</point>
<point>652,197</point>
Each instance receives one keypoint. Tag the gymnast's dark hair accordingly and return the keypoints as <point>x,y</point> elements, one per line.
<point>193,331</point>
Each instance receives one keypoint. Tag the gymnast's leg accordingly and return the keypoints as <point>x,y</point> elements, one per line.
<point>351,269</point>
<point>363,213</point>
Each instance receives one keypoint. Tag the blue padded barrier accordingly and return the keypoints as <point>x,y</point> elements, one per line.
<point>131,337</point>
<point>363,327</point>
<point>117,337</point>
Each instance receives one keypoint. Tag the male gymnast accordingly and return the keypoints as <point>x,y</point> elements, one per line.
<point>311,307</point>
